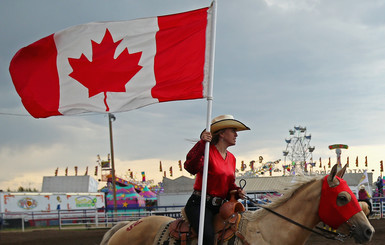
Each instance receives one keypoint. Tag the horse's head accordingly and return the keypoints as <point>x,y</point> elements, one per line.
<point>365,208</point>
<point>339,208</point>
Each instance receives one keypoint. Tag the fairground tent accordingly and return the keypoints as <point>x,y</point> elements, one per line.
<point>126,198</point>
<point>147,194</point>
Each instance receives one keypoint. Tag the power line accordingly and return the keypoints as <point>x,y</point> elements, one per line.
<point>13,114</point>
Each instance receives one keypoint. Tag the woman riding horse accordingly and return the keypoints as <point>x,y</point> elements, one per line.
<point>221,172</point>
<point>364,196</point>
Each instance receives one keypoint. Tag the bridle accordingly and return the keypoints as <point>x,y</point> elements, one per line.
<point>323,232</point>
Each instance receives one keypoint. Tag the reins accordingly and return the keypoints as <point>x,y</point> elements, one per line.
<point>330,234</point>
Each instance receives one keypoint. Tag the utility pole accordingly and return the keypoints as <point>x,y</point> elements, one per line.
<point>111,118</point>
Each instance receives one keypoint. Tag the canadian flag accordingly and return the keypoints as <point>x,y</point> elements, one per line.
<point>115,66</point>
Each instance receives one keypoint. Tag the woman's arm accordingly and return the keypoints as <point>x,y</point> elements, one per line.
<point>194,158</point>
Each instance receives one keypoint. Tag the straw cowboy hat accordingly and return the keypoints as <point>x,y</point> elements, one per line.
<point>226,121</point>
<point>362,187</point>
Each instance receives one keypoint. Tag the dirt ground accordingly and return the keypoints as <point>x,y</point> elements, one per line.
<point>94,236</point>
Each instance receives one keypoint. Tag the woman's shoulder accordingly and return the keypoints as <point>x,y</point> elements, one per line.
<point>229,154</point>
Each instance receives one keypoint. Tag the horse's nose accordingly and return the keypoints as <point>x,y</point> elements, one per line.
<point>368,233</point>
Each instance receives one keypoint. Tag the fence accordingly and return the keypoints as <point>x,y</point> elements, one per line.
<point>107,219</point>
<point>378,207</point>
<point>85,218</point>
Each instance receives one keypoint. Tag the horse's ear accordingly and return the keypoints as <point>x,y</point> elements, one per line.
<point>333,172</point>
<point>332,181</point>
<point>342,171</point>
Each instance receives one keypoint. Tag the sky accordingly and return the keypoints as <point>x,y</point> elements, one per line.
<point>278,64</point>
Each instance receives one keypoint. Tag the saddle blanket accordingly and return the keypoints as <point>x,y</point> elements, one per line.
<point>163,237</point>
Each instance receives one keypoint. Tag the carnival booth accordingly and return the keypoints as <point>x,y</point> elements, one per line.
<point>150,197</point>
<point>147,194</point>
<point>126,198</point>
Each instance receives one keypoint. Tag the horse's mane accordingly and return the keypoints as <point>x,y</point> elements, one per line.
<point>287,193</point>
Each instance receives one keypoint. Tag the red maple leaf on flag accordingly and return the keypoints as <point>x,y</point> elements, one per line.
<point>104,73</point>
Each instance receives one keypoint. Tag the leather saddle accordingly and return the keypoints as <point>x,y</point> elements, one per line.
<point>225,223</point>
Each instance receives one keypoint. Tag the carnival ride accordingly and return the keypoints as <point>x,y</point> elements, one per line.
<point>126,198</point>
<point>298,150</point>
<point>338,148</point>
<point>129,195</point>
<point>260,168</point>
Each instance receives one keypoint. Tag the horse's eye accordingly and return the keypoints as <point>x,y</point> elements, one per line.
<point>342,198</point>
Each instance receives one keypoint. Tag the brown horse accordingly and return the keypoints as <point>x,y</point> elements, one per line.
<point>301,203</point>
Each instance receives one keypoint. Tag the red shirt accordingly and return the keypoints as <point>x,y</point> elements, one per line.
<point>221,172</point>
<point>363,194</point>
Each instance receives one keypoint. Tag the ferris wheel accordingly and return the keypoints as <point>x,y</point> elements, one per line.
<point>298,148</point>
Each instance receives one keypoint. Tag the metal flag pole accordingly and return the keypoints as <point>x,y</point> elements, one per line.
<point>110,118</point>
<point>208,122</point>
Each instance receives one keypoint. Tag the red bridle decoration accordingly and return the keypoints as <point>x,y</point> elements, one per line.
<point>329,212</point>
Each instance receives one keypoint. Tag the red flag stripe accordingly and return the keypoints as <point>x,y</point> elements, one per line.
<point>29,65</point>
<point>180,44</point>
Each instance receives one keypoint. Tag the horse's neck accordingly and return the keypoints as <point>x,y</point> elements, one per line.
<point>302,208</point>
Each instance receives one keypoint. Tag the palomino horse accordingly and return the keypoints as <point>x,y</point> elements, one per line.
<point>309,202</point>
<point>365,208</point>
